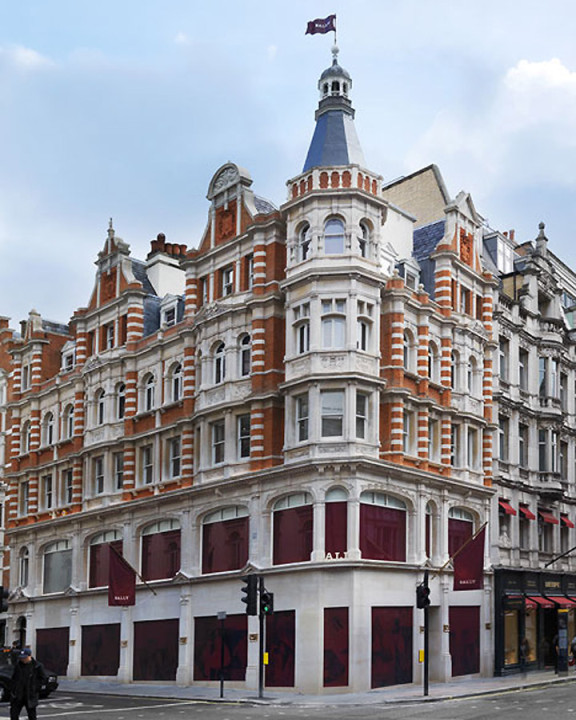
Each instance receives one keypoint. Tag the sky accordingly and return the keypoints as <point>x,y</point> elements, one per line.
<point>125,109</point>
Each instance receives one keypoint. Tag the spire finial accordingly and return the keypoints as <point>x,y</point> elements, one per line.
<point>335,51</point>
<point>111,232</point>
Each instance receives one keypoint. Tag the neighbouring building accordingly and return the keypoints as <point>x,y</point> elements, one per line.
<point>309,394</point>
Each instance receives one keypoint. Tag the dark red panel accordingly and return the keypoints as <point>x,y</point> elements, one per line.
<point>336,527</point>
<point>100,649</point>
<point>161,555</point>
<point>336,647</point>
<point>428,535</point>
<point>459,531</point>
<point>52,649</point>
<point>99,562</point>
<point>382,533</point>
<point>391,646</point>
<point>281,644</point>
<point>293,535</point>
<point>464,640</point>
<point>225,545</point>
<point>207,647</point>
<point>156,649</point>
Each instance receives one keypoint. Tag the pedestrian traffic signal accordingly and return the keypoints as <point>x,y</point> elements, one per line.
<point>422,596</point>
<point>4,592</point>
<point>250,591</point>
<point>266,602</point>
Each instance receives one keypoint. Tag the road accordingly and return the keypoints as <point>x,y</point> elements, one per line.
<point>558,702</point>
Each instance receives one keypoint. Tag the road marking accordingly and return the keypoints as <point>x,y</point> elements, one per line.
<point>127,710</point>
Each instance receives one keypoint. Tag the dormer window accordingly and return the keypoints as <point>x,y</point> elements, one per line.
<point>109,335</point>
<point>68,361</point>
<point>169,317</point>
<point>228,281</point>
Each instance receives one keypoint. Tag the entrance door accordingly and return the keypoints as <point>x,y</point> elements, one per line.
<point>391,646</point>
<point>465,640</point>
<point>280,644</point>
<point>52,648</point>
<point>156,649</point>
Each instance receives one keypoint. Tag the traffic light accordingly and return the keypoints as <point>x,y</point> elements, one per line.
<point>422,596</point>
<point>250,590</point>
<point>266,602</point>
<point>4,592</point>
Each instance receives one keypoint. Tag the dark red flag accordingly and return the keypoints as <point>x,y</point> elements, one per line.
<point>321,25</point>
<point>121,580</point>
<point>469,564</point>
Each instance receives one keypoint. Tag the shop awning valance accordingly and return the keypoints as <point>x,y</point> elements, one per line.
<point>508,509</point>
<point>563,602</point>
<point>539,600</point>
<point>548,517</point>
<point>528,514</point>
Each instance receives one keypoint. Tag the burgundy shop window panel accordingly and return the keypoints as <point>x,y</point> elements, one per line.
<point>52,649</point>
<point>100,649</point>
<point>207,647</point>
<point>458,532</point>
<point>336,647</point>
<point>391,646</point>
<point>281,646</point>
<point>161,555</point>
<point>464,639</point>
<point>156,649</point>
<point>293,535</point>
<point>336,539</point>
<point>225,545</point>
<point>382,533</point>
<point>100,562</point>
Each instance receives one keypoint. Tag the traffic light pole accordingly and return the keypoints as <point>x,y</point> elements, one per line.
<point>426,667</point>
<point>262,643</point>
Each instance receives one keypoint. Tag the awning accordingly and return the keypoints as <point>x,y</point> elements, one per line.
<point>564,602</point>
<point>538,600</point>
<point>548,517</point>
<point>508,509</point>
<point>528,514</point>
<point>566,521</point>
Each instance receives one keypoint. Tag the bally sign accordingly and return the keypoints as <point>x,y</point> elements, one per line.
<point>469,564</point>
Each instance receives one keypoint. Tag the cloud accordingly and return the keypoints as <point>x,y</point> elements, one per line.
<point>272,51</point>
<point>24,58</point>
<point>524,129</point>
<point>182,39</point>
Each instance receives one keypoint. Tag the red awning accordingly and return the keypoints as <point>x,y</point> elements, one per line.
<point>548,517</point>
<point>542,601</point>
<point>566,521</point>
<point>508,509</point>
<point>530,603</point>
<point>564,602</point>
<point>528,514</point>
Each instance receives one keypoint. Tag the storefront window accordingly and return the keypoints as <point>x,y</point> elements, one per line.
<point>530,634</point>
<point>511,637</point>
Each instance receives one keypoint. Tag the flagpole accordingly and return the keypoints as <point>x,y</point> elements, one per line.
<point>470,539</point>
<point>134,569</point>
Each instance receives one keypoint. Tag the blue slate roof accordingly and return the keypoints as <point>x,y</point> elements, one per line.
<point>334,142</point>
<point>426,239</point>
<point>139,270</point>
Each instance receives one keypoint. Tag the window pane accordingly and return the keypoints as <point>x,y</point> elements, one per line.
<point>57,571</point>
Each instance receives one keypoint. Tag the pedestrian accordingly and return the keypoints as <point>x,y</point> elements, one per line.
<point>573,651</point>
<point>27,680</point>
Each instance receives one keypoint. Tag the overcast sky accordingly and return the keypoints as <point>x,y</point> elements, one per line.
<point>126,108</point>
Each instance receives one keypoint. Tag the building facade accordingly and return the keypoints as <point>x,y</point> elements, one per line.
<point>308,394</point>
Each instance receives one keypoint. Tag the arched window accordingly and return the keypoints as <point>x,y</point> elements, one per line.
<point>101,546</point>
<point>23,567</point>
<point>100,407</point>
<point>48,429</point>
<point>382,527</point>
<point>433,363</point>
<point>304,242</point>
<point>460,528</point>
<point>219,363</point>
<point>26,436</point>
<point>161,549</point>
<point>176,382</point>
<point>68,424</point>
<point>120,401</point>
<point>363,240</point>
<point>409,352</point>
<point>334,237</point>
<point>57,566</point>
<point>471,375</point>
<point>245,355</point>
<point>336,522</point>
<point>149,392</point>
<point>225,539</point>
<point>293,529</point>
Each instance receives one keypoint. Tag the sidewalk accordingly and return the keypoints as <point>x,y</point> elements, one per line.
<point>467,687</point>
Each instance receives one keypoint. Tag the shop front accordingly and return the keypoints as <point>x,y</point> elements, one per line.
<point>526,618</point>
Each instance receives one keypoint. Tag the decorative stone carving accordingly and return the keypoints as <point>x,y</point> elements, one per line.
<point>227,177</point>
